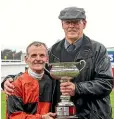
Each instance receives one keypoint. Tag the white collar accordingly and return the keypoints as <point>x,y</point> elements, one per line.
<point>35,75</point>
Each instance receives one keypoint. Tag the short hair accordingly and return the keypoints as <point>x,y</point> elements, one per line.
<point>36,43</point>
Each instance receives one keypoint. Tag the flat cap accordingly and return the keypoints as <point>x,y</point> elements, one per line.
<point>72,13</point>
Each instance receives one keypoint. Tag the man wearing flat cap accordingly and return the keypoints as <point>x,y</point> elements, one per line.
<point>91,89</point>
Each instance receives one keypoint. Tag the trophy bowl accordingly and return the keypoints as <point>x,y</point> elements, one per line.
<point>65,71</point>
<point>69,69</point>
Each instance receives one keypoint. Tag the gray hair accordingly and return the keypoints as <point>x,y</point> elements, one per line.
<point>36,43</point>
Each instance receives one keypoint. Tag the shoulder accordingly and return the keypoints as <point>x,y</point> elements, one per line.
<point>21,79</point>
<point>18,84</point>
<point>96,45</point>
<point>57,45</point>
<point>99,50</point>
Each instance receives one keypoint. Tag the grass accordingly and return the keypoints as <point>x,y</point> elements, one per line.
<point>3,105</point>
<point>112,102</point>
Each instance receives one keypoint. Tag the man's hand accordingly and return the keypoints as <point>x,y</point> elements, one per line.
<point>67,88</point>
<point>8,86</point>
<point>49,115</point>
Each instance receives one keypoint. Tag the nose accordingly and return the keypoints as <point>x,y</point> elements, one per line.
<point>38,57</point>
<point>71,24</point>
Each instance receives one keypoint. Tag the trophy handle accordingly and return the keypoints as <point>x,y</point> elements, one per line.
<point>84,64</point>
<point>47,69</point>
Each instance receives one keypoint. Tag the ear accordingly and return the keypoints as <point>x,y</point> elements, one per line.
<point>62,23</point>
<point>26,59</point>
<point>84,23</point>
<point>47,60</point>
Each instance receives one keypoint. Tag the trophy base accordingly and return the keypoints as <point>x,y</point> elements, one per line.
<point>67,117</point>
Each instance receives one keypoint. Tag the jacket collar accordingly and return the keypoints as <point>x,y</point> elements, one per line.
<point>85,49</point>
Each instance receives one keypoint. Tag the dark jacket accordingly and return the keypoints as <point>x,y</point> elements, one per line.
<point>95,82</point>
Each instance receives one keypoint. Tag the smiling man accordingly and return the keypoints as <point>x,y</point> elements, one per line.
<point>31,98</point>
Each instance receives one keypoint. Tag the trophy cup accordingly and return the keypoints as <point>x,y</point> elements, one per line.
<point>65,71</point>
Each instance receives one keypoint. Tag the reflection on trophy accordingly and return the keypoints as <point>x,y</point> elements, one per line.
<point>65,71</point>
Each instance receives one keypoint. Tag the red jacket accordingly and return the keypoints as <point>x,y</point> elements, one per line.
<point>31,97</point>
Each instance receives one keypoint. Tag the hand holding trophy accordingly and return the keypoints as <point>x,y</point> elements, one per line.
<point>65,71</point>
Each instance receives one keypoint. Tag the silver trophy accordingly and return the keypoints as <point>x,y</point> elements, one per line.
<point>65,71</point>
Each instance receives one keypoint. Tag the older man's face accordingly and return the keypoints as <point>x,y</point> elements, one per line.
<point>37,57</point>
<point>73,29</point>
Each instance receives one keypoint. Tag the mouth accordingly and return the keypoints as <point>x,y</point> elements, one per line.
<point>72,31</point>
<point>38,63</point>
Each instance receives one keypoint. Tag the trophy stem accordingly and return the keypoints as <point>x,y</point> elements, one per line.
<point>65,79</point>
<point>65,98</point>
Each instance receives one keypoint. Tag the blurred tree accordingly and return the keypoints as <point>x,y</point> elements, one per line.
<point>10,55</point>
<point>18,55</point>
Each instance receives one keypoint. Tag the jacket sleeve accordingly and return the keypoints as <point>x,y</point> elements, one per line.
<point>101,81</point>
<point>44,107</point>
<point>23,115</point>
<point>15,104</point>
<point>9,76</point>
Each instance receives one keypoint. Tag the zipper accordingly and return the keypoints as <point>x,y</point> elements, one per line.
<point>54,83</point>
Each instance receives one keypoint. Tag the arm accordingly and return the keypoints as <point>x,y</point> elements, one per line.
<point>6,78</point>
<point>101,81</point>
<point>7,83</point>
<point>45,99</point>
<point>16,110</point>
